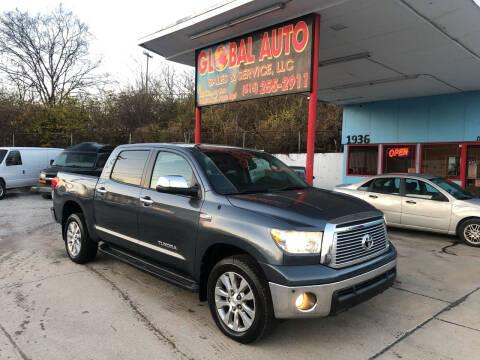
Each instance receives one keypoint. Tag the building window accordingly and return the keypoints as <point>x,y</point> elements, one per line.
<point>399,158</point>
<point>362,160</point>
<point>441,160</point>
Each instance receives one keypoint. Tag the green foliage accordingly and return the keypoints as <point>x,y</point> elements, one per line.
<point>274,124</point>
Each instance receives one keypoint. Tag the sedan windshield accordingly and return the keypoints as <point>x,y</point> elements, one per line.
<point>238,171</point>
<point>2,155</point>
<point>75,160</point>
<point>453,189</point>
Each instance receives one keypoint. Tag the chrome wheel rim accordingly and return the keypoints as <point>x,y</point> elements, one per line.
<point>472,233</point>
<point>235,301</point>
<point>1,191</point>
<point>74,237</point>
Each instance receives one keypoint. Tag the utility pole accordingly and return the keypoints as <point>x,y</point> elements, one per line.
<point>146,75</point>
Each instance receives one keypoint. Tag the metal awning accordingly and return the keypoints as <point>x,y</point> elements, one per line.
<point>370,50</point>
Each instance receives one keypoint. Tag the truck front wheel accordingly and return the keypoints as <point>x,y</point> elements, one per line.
<point>80,248</point>
<point>239,299</point>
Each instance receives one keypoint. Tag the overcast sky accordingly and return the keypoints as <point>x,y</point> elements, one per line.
<point>118,25</point>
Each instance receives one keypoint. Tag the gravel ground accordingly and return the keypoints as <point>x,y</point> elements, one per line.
<point>52,308</point>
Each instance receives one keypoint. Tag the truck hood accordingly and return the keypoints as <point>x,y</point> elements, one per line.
<point>307,207</point>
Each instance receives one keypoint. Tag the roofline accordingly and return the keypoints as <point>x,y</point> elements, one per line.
<point>189,20</point>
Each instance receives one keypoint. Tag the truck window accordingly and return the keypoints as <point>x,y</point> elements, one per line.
<point>75,160</point>
<point>171,164</point>
<point>102,159</point>
<point>129,166</point>
<point>13,158</point>
<point>2,155</point>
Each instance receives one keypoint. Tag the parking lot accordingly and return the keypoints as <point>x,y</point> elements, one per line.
<point>52,308</point>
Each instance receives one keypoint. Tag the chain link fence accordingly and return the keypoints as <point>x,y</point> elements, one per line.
<point>273,141</point>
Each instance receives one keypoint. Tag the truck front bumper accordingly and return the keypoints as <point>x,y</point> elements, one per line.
<point>335,297</point>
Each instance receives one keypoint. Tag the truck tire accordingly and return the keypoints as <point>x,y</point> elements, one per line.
<point>469,232</point>
<point>80,248</point>
<point>3,190</point>
<point>239,299</point>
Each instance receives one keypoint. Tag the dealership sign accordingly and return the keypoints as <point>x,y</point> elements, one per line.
<point>273,61</point>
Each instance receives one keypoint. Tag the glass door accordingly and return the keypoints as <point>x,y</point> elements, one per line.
<point>473,169</point>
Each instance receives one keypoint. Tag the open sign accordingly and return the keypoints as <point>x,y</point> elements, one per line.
<point>399,152</point>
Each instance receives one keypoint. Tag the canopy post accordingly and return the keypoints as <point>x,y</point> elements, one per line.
<point>198,125</point>
<point>312,103</point>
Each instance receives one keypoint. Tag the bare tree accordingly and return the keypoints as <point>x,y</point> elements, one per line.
<point>47,54</point>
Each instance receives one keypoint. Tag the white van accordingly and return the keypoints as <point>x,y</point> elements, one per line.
<point>20,167</point>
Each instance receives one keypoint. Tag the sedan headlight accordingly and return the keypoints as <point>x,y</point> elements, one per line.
<point>43,175</point>
<point>298,242</point>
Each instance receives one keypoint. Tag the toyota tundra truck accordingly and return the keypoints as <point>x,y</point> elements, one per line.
<point>237,226</point>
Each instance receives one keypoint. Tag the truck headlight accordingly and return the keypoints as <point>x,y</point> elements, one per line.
<point>43,175</point>
<point>298,242</point>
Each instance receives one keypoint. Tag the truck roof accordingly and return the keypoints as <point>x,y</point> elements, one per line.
<point>91,147</point>
<point>186,146</point>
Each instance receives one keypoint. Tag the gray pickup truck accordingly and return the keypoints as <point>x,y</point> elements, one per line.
<point>236,225</point>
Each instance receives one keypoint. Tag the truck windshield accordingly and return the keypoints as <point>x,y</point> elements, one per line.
<point>239,171</point>
<point>75,160</point>
<point>453,189</point>
<point>2,155</point>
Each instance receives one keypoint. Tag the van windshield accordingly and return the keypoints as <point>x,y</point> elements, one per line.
<point>2,155</point>
<point>75,160</point>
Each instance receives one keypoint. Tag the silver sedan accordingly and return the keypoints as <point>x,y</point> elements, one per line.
<point>422,202</point>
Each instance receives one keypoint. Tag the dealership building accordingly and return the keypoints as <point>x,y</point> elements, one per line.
<point>406,71</point>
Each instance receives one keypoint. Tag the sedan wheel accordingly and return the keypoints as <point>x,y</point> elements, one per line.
<point>235,301</point>
<point>471,233</point>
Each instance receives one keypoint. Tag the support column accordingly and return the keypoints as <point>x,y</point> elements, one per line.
<point>463,165</point>
<point>312,104</point>
<point>198,125</point>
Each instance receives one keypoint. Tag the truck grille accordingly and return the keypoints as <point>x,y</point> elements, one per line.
<point>354,244</point>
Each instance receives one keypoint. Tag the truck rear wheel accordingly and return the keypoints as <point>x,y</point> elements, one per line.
<point>80,248</point>
<point>239,299</point>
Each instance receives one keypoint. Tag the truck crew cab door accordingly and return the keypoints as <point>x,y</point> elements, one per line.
<point>116,199</point>
<point>168,223</point>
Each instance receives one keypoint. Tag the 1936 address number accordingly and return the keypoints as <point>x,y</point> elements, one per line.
<point>358,139</point>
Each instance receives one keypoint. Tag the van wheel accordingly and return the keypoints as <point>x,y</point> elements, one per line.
<point>470,232</point>
<point>80,248</point>
<point>239,299</point>
<point>3,190</point>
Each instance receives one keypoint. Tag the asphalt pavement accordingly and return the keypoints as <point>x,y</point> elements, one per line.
<point>51,308</point>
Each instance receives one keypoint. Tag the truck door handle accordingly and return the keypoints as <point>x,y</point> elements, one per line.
<point>102,191</point>
<point>373,196</point>
<point>146,200</point>
<point>410,202</point>
<point>23,172</point>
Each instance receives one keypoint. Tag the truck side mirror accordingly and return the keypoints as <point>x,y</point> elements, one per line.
<point>176,184</point>
<point>51,162</point>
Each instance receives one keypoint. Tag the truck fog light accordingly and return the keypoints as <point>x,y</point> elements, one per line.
<point>305,301</point>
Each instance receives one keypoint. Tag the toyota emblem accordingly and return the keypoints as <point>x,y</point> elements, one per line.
<point>367,241</point>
